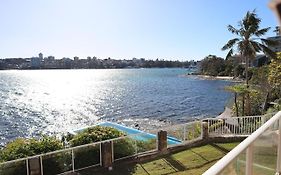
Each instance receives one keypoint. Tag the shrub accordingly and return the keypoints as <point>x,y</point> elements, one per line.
<point>87,156</point>
<point>123,148</point>
<point>146,145</point>
<point>95,134</point>
<point>21,148</point>
<point>92,153</point>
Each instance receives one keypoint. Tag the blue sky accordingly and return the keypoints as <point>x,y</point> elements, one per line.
<point>122,29</point>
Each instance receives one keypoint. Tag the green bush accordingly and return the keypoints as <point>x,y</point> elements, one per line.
<point>57,163</point>
<point>123,148</point>
<point>92,153</point>
<point>95,134</point>
<point>128,147</point>
<point>21,148</point>
<point>148,145</point>
<point>87,156</point>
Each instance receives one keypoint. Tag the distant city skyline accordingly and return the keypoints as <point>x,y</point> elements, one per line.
<point>171,30</point>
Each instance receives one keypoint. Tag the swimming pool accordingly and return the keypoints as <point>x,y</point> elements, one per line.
<point>130,131</point>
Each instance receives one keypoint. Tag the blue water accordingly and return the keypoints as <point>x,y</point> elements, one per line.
<point>55,101</point>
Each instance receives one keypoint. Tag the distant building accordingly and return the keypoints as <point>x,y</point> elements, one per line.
<point>260,60</point>
<point>76,58</point>
<point>50,58</point>
<point>35,62</point>
<point>41,56</point>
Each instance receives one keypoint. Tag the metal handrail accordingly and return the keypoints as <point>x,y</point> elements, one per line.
<point>226,160</point>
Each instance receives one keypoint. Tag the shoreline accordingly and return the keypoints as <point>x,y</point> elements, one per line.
<point>208,77</point>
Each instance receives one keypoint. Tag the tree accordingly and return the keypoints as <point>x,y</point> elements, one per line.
<point>274,75</point>
<point>212,65</point>
<point>248,42</point>
<point>239,89</point>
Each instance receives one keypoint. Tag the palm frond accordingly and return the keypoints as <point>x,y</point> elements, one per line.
<point>262,31</point>
<point>233,29</point>
<point>267,51</point>
<point>277,30</point>
<point>230,44</point>
<point>255,46</point>
<point>229,54</point>
<point>269,42</point>
<point>251,23</point>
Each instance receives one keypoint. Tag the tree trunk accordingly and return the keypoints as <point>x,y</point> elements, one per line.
<point>265,105</point>
<point>243,105</point>
<point>246,71</point>
<point>236,105</point>
<point>248,108</point>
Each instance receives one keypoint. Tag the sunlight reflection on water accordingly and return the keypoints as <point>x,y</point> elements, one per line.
<point>54,101</point>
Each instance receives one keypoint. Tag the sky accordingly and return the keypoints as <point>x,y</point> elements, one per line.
<point>123,29</point>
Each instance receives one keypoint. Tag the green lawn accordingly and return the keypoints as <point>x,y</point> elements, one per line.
<point>192,161</point>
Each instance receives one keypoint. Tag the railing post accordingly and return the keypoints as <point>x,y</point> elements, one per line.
<point>34,166</point>
<point>184,132</point>
<point>279,150</point>
<point>162,140</point>
<point>249,160</point>
<point>27,166</point>
<point>106,154</point>
<point>73,160</point>
<point>205,130</point>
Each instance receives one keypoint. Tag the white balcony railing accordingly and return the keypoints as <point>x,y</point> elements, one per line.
<point>235,126</point>
<point>258,154</point>
<point>85,156</point>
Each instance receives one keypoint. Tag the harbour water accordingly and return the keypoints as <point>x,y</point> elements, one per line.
<point>35,102</point>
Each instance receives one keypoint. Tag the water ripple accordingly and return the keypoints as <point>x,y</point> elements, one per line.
<point>55,101</point>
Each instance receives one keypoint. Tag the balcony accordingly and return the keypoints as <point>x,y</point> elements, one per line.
<point>258,154</point>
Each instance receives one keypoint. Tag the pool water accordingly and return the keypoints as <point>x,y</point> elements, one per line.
<point>143,136</point>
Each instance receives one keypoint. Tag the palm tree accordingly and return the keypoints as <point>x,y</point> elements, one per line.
<point>248,42</point>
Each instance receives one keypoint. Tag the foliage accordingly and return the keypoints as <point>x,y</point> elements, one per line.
<point>15,168</point>
<point>238,71</point>
<point>95,134</point>
<point>147,145</point>
<point>260,77</point>
<point>21,148</point>
<point>247,35</point>
<point>123,148</point>
<point>256,99</point>
<point>87,156</point>
<point>276,107</point>
<point>212,65</point>
<point>247,43</point>
<point>194,132</point>
<point>56,163</point>
<point>274,76</point>
<point>238,88</point>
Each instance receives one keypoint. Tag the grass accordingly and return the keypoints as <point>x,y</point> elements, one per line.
<point>192,161</point>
